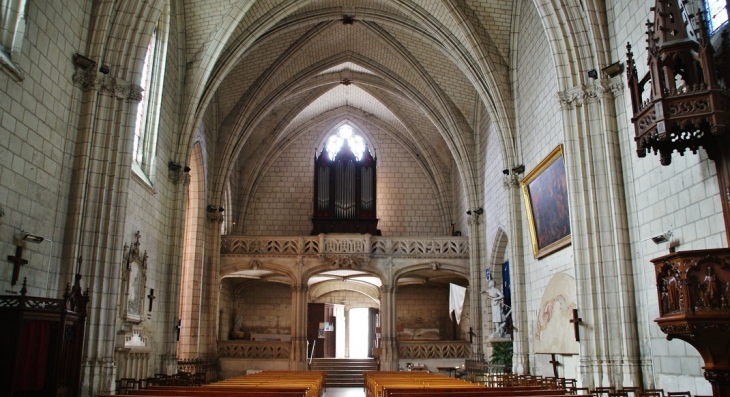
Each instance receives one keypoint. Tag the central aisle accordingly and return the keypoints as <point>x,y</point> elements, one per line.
<point>344,392</point>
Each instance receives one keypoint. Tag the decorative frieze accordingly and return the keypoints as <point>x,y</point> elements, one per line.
<point>589,93</point>
<point>406,247</point>
<point>121,89</point>
<point>254,349</point>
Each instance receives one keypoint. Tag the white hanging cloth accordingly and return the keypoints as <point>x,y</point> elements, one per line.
<point>456,300</point>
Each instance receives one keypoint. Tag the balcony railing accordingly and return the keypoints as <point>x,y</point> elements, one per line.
<point>434,349</point>
<point>254,349</point>
<point>374,246</point>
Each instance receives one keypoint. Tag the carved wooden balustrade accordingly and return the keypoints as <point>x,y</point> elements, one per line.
<point>254,349</point>
<point>434,349</point>
<point>694,306</point>
<point>371,246</point>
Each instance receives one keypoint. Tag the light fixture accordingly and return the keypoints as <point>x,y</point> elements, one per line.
<point>519,169</point>
<point>33,238</point>
<point>593,74</point>
<point>613,69</point>
<point>662,238</point>
<point>505,171</point>
<point>104,69</point>
<point>83,62</point>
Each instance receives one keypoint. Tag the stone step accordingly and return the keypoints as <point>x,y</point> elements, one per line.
<point>344,372</point>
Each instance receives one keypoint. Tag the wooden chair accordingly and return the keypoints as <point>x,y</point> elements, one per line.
<point>679,394</point>
<point>632,391</point>
<point>579,390</point>
<point>618,394</point>
<point>660,391</point>
<point>651,393</point>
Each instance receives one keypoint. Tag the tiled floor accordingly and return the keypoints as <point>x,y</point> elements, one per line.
<point>344,392</point>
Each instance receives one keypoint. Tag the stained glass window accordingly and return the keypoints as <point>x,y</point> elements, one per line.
<point>716,14</point>
<point>345,134</point>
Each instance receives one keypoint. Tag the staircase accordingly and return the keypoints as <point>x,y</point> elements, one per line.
<point>344,372</point>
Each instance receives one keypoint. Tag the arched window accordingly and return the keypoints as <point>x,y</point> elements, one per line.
<point>344,185</point>
<point>148,111</point>
<point>716,14</point>
<point>12,32</point>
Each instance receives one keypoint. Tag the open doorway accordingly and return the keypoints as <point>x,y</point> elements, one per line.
<point>359,332</point>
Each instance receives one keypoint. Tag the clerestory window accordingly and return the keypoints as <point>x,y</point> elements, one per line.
<point>148,110</point>
<point>716,14</point>
<point>12,32</point>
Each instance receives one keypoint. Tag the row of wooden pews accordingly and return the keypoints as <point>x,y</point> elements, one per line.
<point>402,384</point>
<point>262,384</point>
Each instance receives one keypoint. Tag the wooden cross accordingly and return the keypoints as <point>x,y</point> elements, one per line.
<point>555,364</point>
<point>576,320</point>
<point>18,261</point>
<point>152,297</point>
<point>179,327</point>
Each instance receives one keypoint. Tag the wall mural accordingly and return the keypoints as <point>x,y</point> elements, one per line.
<point>553,329</point>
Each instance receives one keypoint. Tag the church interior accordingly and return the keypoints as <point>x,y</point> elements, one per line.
<point>224,187</point>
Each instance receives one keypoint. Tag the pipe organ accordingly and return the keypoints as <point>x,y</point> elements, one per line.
<point>344,194</point>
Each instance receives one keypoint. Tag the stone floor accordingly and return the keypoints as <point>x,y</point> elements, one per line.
<point>344,392</point>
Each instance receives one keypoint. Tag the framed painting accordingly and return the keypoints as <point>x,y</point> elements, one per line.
<point>545,190</point>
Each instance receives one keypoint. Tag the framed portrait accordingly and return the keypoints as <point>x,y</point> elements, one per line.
<point>545,192</point>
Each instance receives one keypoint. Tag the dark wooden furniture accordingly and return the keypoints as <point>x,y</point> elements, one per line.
<point>344,194</point>
<point>685,107</point>
<point>692,288</point>
<point>41,340</point>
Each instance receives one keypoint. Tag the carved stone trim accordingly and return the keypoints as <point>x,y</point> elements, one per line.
<point>89,80</point>
<point>337,261</point>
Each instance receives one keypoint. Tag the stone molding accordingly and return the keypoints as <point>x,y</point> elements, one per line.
<point>89,80</point>
<point>590,93</point>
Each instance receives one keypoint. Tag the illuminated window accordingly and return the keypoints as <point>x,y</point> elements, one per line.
<point>12,32</point>
<point>148,110</point>
<point>716,14</point>
<point>345,134</point>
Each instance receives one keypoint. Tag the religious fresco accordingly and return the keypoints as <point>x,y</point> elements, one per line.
<point>554,332</point>
<point>545,190</point>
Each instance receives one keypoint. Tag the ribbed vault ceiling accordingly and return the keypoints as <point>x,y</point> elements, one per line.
<point>416,69</point>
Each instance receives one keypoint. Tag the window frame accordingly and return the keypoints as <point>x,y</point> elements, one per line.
<point>146,125</point>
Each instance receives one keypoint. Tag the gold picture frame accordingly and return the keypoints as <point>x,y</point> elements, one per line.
<point>545,192</point>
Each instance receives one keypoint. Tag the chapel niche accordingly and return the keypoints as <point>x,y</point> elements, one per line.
<point>344,186</point>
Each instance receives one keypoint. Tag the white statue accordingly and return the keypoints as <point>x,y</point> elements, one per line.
<point>498,317</point>
<point>497,298</point>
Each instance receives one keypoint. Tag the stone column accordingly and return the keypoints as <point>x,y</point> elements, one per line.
<point>299,350</point>
<point>609,353</point>
<point>520,344</point>
<point>475,284</point>
<point>95,219</point>
<point>389,343</point>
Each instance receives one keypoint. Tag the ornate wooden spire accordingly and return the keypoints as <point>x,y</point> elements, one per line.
<point>679,103</point>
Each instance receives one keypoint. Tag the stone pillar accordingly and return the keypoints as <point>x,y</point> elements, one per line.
<point>609,351</point>
<point>299,349</point>
<point>169,301</point>
<point>520,344</point>
<point>389,342</point>
<point>95,219</point>
<point>475,285</point>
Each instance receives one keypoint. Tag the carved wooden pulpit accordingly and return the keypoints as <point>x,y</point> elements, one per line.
<point>680,105</point>
<point>693,288</point>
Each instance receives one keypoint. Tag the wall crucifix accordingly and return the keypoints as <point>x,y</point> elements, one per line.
<point>576,321</point>
<point>555,364</point>
<point>18,261</point>
<point>151,297</point>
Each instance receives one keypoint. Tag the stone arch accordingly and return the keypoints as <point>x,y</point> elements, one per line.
<point>325,287</point>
